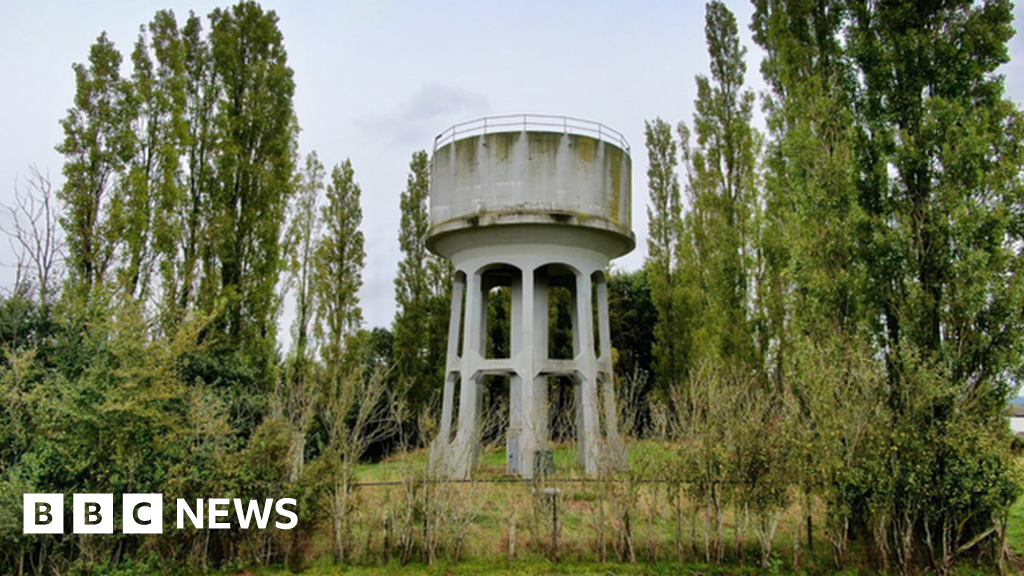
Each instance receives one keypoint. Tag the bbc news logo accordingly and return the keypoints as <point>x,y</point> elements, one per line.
<point>144,513</point>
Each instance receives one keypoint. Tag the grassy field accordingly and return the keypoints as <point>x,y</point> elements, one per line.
<point>1015,528</point>
<point>525,567</point>
<point>495,505</point>
<point>506,527</point>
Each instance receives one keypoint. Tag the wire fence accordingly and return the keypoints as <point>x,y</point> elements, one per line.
<point>621,518</point>
<point>544,480</point>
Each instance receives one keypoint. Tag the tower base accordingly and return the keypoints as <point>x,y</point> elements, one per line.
<point>530,270</point>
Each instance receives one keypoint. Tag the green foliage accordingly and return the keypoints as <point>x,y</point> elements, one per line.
<point>97,143</point>
<point>893,173</point>
<point>151,373</point>
<point>340,257</point>
<point>872,265</point>
<point>301,239</point>
<point>672,347</point>
<point>716,258</point>
<point>182,171</point>
<point>256,127</point>
<point>422,294</point>
<point>631,313</point>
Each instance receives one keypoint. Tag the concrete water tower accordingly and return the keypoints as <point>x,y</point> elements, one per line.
<point>530,203</point>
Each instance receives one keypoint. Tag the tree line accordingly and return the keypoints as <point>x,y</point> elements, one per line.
<point>140,338</point>
<point>845,283</point>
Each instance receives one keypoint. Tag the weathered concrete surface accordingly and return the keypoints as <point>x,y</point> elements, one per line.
<point>532,178</point>
<point>529,210</point>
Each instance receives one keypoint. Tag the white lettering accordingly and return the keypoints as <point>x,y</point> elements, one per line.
<point>196,517</point>
<point>218,513</point>
<point>253,510</point>
<point>281,510</point>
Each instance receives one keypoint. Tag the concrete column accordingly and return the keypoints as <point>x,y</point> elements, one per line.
<point>532,358</point>
<point>576,382</point>
<point>615,456</point>
<point>466,442</point>
<point>604,361</point>
<point>484,288</point>
<point>603,327</point>
<point>513,442</point>
<point>589,434</point>
<point>452,363</point>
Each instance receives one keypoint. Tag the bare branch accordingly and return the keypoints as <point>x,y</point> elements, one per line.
<point>34,233</point>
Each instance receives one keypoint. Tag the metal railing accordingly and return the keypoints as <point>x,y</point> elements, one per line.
<point>533,122</point>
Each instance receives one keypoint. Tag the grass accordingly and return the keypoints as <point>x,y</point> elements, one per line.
<point>1015,527</point>
<point>492,465</point>
<point>588,513</point>
<point>494,504</point>
<point>526,567</point>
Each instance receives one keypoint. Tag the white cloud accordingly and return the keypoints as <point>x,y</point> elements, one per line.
<point>419,119</point>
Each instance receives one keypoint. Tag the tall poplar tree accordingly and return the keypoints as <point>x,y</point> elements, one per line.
<point>812,283</point>
<point>195,274</point>
<point>939,175</point>
<point>411,285</point>
<point>894,180</point>
<point>717,252</point>
<point>339,265</point>
<point>939,159</point>
<point>97,144</point>
<point>254,163</point>
<point>145,207</point>
<point>664,214</point>
<point>813,218</point>
<point>422,289</point>
<point>299,388</point>
<point>300,262</point>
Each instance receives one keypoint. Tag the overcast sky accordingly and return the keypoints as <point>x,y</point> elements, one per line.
<point>376,81</point>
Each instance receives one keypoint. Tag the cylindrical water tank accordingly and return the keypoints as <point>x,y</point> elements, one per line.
<point>566,179</point>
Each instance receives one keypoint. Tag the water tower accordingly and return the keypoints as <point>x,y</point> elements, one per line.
<point>533,204</point>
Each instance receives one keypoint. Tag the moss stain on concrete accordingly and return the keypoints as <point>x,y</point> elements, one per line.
<point>466,152</point>
<point>614,159</point>
<point>544,144</point>
<point>501,144</point>
<point>586,148</point>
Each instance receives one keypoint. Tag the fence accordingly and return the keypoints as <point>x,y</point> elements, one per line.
<point>421,518</point>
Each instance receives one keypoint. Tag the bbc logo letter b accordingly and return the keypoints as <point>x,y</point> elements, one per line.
<point>43,513</point>
<point>93,514</point>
